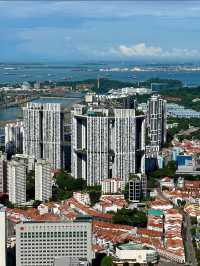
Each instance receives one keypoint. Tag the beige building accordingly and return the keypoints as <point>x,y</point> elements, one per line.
<point>112,186</point>
<point>135,253</point>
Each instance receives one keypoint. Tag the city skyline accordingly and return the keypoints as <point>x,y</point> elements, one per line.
<point>70,31</point>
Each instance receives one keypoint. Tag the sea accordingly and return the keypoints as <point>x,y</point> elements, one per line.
<point>13,113</point>
<point>189,74</point>
<point>11,74</point>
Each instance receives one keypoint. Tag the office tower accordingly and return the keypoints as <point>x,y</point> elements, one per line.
<point>156,120</point>
<point>39,243</point>
<point>3,173</point>
<point>137,187</point>
<point>106,143</point>
<point>43,186</point>
<point>43,132</point>
<point>17,172</point>
<point>14,137</point>
<point>3,230</point>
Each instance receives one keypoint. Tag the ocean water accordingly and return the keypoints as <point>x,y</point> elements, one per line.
<point>14,113</point>
<point>12,73</point>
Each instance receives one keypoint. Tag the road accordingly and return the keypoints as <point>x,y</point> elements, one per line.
<point>186,234</point>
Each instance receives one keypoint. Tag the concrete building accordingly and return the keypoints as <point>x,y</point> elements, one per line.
<point>3,173</point>
<point>40,243</point>
<point>17,172</point>
<point>135,253</point>
<point>137,188</point>
<point>82,197</point>
<point>68,261</point>
<point>112,186</point>
<point>43,132</point>
<point>3,230</point>
<point>14,137</point>
<point>106,143</point>
<point>28,160</point>
<point>43,180</point>
<point>156,120</point>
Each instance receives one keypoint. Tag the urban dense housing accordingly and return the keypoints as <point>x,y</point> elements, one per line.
<point>107,143</point>
<point>43,132</point>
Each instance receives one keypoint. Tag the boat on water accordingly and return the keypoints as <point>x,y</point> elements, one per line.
<point>9,74</point>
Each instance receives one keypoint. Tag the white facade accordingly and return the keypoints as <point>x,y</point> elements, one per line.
<point>39,243</point>
<point>157,120</point>
<point>28,160</point>
<point>43,132</point>
<point>112,186</point>
<point>136,253</point>
<point>106,144</point>
<point>82,197</point>
<point>3,242</point>
<point>14,134</point>
<point>17,172</point>
<point>3,173</point>
<point>43,180</point>
<point>133,90</point>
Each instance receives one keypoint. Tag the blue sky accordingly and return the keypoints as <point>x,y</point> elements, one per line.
<point>67,31</point>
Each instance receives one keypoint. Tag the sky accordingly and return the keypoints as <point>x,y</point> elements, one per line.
<point>66,31</point>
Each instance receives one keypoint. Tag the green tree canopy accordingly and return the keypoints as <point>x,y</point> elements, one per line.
<point>130,217</point>
<point>106,261</point>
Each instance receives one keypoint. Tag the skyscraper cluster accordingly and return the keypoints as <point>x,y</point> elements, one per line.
<point>106,143</point>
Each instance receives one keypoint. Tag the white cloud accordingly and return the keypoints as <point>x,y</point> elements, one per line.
<point>143,50</point>
<point>139,49</point>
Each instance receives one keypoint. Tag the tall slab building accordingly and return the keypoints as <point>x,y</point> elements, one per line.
<point>3,241</point>
<point>157,120</point>
<point>106,143</point>
<point>17,173</point>
<point>43,132</point>
<point>43,180</point>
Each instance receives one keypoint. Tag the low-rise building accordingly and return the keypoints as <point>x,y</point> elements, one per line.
<point>112,186</point>
<point>167,182</point>
<point>135,253</point>
<point>82,197</point>
<point>111,203</point>
<point>137,187</point>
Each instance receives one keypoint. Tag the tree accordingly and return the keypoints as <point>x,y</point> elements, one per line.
<point>130,217</point>
<point>65,185</point>
<point>94,196</point>
<point>106,261</point>
<point>36,203</point>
